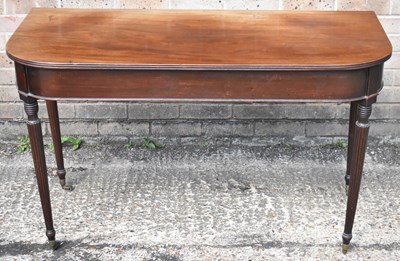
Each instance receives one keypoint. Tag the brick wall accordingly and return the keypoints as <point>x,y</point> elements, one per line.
<point>204,120</point>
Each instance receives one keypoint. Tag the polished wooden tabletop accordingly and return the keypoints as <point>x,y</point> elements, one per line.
<point>193,40</point>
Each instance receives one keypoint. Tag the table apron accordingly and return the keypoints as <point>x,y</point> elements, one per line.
<point>65,84</point>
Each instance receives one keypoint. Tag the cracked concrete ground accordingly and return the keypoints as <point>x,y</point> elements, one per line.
<point>201,203</point>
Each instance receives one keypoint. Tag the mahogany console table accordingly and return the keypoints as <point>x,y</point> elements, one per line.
<point>198,56</point>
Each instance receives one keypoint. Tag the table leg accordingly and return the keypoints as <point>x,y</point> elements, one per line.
<point>352,124</point>
<point>39,161</point>
<point>56,136</point>
<point>361,128</point>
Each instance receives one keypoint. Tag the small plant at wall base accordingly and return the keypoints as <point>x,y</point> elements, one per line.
<point>24,144</point>
<point>128,145</point>
<point>149,144</point>
<point>75,141</point>
<point>341,144</point>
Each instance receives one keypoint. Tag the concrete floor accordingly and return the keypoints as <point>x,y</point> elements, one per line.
<point>201,203</point>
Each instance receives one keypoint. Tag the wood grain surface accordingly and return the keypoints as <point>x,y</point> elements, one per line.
<point>199,40</point>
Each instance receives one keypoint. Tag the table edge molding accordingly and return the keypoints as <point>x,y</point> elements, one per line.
<point>201,100</point>
<point>198,67</point>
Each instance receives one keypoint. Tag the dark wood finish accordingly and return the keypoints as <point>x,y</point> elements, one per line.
<point>54,121</point>
<point>39,161</point>
<point>350,143</point>
<point>22,79</point>
<point>334,86</point>
<point>171,55</point>
<point>375,83</point>
<point>359,144</point>
<point>188,40</point>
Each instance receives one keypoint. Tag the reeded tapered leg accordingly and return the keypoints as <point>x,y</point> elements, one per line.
<point>352,124</point>
<point>36,140</point>
<point>361,129</point>
<point>56,136</point>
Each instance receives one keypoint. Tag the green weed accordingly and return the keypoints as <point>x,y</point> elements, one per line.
<point>24,144</point>
<point>341,144</point>
<point>75,141</point>
<point>149,144</point>
<point>128,145</point>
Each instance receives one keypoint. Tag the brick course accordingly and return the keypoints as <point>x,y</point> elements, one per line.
<point>252,4</point>
<point>280,128</point>
<point>389,94</point>
<point>152,111</point>
<point>196,4</point>
<point>228,128</point>
<point>3,41</point>
<point>312,111</point>
<point>101,111</point>
<point>396,78</point>
<point>394,61</point>
<point>9,93</point>
<point>328,128</point>
<point>260,111</point>
<point>395,40</point>
<point>5,62</point>
<point>86,4</point>
<point>395,10</point>
<point>308,5</point>
<point>65,110</point>
<point>9,130</point>
<point>8,23</point>
<point>123,129</point>
<point>388,77</point>
<point>379,6</point>
<point>142,4</point>
<point>205,111</point>
<point>11,111</point>
<point>176,129</point>
<point>81,128</point>
<point>23,6</point>
<point>351,4</point>
<point>7,76</point>
<point>385,128</point>
<point>391,24</point>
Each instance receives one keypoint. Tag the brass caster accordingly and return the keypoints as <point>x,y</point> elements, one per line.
<point>345,248</point>
<point>347,190</point>
<point>65,186</point>
<point>53,244</point>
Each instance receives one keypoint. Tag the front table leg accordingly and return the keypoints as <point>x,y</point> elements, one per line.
<point>356,167</point>
<point>56,136</point>
<point>39,161</point>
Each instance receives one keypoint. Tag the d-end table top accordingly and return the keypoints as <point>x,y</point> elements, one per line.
<point>199,40</point>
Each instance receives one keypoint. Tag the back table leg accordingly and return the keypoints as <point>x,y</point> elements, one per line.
<point>39,161</point>
<point>352,124</point>
<point>56,136</point>
<point>359,145</point>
